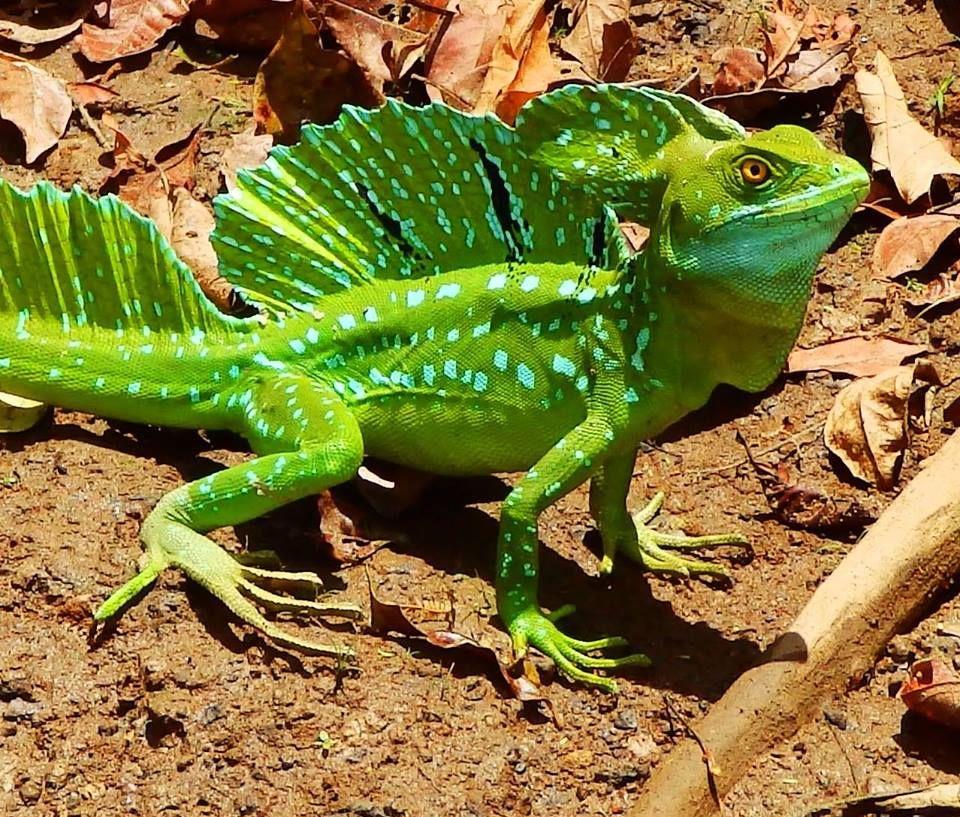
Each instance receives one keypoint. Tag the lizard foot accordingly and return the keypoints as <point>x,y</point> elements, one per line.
<point>236,582</point>
<point>534,628</point>
<point>652,549</point>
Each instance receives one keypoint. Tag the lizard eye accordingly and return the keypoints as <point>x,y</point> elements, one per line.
<point>754,171</point>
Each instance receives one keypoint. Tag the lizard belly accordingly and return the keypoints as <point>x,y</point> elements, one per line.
<point>462,437</point>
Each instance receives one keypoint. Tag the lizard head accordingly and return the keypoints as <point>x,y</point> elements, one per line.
<point>747,224</point>
<point>742,228</point>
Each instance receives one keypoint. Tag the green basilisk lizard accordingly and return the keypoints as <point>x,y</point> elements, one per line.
<point>442,291</point>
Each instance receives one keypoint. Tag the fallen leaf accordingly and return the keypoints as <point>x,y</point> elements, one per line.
<point>18,414</point>
<point>243,24</point>
<point>805,48</point>
<point>933,690</point>
<point>860,357</point>
<point>942,290</point>
<point>371,33</point>
<point>37,103</point>
<point>525,27</point>
<point>301,81</point>
<point>908,244</point>
<point>91,93</point>
<point>147,183</point>
<point>462,57</point>
<point>247,149</point>
<point>191,223</point>
<point>44,24</point>
<point>911,802</point>
<point>135,26</point>
<point>740,70</point>
<point>602,39</point>
<point>913,156</point>
<point>390,617</point>
<point>537,69</point>
<point>867,426</point>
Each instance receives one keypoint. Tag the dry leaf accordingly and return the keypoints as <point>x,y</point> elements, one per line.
<point>46,24</point>
<point>740,70</point>
<point>602,39</point>
<point>390,617</point>
<point>463,54</point>
<point>369,32</point>
<point>930,801</point>
<point>243,24</point>
<point>867,425</point>
<point>135,26</point>
<point>300,81</point>
<point>18,414</point>
<point>148,183</point>
<point>944,289</point>
<point>247,149</point>
<point>91,93</point>
<point>912,155</point>
<point>537,69</point>
<point>933,690</point>
<point>525,27</point>
<point>855,356</point>
<point>37,103</point>
<point>190,228</point>
<point>908,244</point>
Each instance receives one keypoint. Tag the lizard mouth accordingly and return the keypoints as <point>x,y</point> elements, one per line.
<point>829,203</point>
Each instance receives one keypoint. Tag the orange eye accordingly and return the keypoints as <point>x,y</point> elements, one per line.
<point>754,171</point>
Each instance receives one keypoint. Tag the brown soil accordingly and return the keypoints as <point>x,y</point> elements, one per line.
<point>181,711</point>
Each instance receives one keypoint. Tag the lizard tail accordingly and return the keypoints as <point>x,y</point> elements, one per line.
<point>82,279</point>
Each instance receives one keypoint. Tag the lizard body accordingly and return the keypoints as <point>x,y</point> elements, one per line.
<point>442,291</point>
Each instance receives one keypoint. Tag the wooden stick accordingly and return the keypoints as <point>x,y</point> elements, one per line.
<point>882,587</point>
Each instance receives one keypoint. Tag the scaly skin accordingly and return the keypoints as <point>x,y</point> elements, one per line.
<point>441,291</point>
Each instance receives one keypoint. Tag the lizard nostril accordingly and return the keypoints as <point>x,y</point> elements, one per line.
<point>836,170</point>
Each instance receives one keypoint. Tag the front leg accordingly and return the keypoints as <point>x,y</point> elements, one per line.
<point>622,532</point>
<point>568,464</point>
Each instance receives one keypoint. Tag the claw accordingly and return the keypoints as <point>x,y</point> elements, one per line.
<point>652,547</point>
<point>235,584</point>
<point>570,654</point>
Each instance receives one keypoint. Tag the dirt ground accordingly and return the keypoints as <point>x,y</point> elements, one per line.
<point>179,710</point>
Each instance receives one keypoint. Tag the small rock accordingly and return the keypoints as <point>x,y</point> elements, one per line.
<point>209,714</point>
<point>626,719</point>
<point>835,717</point>
<point>900,649</point>
<point>29,791</point>
<point>19,709</point>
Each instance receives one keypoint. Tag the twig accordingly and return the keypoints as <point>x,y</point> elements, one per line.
<point>746,458</point>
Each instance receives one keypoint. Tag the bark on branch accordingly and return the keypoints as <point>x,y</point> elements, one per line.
<point>882,587</point>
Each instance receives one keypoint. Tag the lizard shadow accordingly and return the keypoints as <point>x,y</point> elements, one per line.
<point>689,658</point>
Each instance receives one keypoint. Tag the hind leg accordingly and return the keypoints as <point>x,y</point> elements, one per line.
<point>314,443</point>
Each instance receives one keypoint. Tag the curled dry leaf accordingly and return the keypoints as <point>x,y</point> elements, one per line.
<point>18,413</point>
<point>492,51</point>
<point>601,39</point>
<point>933,690</point>
<point>371,33</point>
<point>243,24</point>
<point>46,24</point>
<point>191,223</point>
<point>860,357</point>
<point>867,427</point>
<point>247,149</point>
<point>91,93</point>
<point>942,290</point>
<point>37,103</point>
<point>135,26</point>
<point>390,617</point>
<point>912,155</point>
<point>740,70</point>
<point>301,81</point>
<point>908,244</point>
